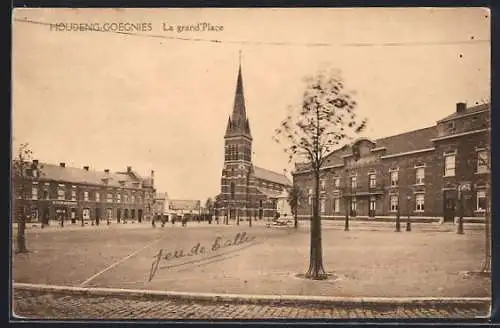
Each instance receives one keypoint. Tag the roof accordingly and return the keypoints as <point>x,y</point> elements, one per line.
<point>268,175</point>
<point>81,176</point>
<point>161,195</point>
<point>184,204</point>
<point>238,123</point>
<point>468,110</point>
<point>408,141</point>
<point>269,192</point>
<point>399,143</point>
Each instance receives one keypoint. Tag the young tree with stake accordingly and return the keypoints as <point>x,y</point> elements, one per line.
<point>323,122</point>
<point>22,173</point>
<point>294,196</point>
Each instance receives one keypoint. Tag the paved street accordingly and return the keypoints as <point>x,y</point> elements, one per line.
<point>49,306</point>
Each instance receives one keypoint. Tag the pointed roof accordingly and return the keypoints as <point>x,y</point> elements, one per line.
<point>238,123</point>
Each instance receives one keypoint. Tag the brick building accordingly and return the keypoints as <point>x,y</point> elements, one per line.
<point>417,172</point>
<point>246,190</point>
<point>57,192</point>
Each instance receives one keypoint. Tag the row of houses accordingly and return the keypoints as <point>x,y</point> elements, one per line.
<point>430,172</point>
<point>49,192</point>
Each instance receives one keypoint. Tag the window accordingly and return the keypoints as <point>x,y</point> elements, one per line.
<point>125,198</point>
<point>97,197</point>
<point>61,194</point>
<point>109,212</point>
<point>118,198</point>
<point>34,191</point>
<point>354,183</point>
<point>420,174</point>
<point>133,199</point>
<point>337,182</point>
<point>73,193</point>
<point>86,214</point>
<point>46,194</point>
<point>373,204</point>
<point>353,204</point>
<point>394,178</point>
<point>232,190</point>
<point>449,165</point>
<point>309,199</point>
<point>85,195</point>
<point>139,199</point>
<point>110,198</point>
<point>373,180</point>
<point>482,161</point>
<point>322,206</point>
<point>481,201</point>
<point>336,205</point>
<point>419,203</point>
<point>323,183</point>
<point>394,203</point>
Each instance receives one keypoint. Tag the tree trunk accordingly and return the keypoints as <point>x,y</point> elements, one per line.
<point>487,236</point>
<point>316,270</point>
<point>295,220</point>
<point>21,232</point>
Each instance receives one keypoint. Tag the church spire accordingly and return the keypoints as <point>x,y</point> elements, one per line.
<point>238,123</point>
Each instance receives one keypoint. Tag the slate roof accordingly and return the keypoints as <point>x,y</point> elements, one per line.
<point>75,175</point>
<point>408,141</point>
<point>161,195</point>
<point>399,143</point>
<point>468,110</point>
<point>269,192</point>
<point>268,175</point>
<point>184,204</point>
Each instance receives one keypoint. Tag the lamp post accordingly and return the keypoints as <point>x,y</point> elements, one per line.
<point>461,189</point>
<point>347,208</point>
<point>408,221</point>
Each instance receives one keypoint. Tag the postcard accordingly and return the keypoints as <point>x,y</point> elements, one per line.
<point>251,163</point>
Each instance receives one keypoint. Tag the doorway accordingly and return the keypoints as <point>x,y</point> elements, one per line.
<point>449,200</point>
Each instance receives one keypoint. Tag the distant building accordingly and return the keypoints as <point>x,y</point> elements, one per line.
<point>183,207</point>
<point>161,203</point>
<point>417,172</point>
<point>58,192</point>
<point>246,190</point>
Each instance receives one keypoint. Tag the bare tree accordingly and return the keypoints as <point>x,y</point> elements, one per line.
<point>22,172</point>
<point>324,120</point>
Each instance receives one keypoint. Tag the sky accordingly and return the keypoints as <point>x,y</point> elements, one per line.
<point>159,100</point>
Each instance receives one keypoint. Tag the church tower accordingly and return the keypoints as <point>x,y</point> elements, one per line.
<point>237,174</point>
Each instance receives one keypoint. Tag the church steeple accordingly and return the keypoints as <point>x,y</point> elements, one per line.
<point>238,123</point>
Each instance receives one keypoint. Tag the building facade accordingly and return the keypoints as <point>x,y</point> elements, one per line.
<point>417,173</point>
<point>51,192</point>
<point>246,190</point>
<point>183,208</point>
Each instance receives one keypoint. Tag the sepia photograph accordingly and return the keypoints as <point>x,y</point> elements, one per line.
<point>250,164</point>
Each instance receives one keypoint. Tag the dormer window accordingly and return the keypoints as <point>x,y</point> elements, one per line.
<point>450,126</point>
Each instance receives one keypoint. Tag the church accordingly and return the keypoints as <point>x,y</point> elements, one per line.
<point>246,190</point>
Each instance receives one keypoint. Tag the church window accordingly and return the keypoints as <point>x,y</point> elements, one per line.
<point>232,190</point>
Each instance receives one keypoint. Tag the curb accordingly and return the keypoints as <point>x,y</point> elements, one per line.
<point>258,299</point>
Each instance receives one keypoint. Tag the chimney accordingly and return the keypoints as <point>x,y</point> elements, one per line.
<point>106,171</point>
<point>35,163</point>
<point>461,107</point>
<point>62,164</point>
<point>86,168</point>
<point>129,169</point>
<point>152,174</point>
